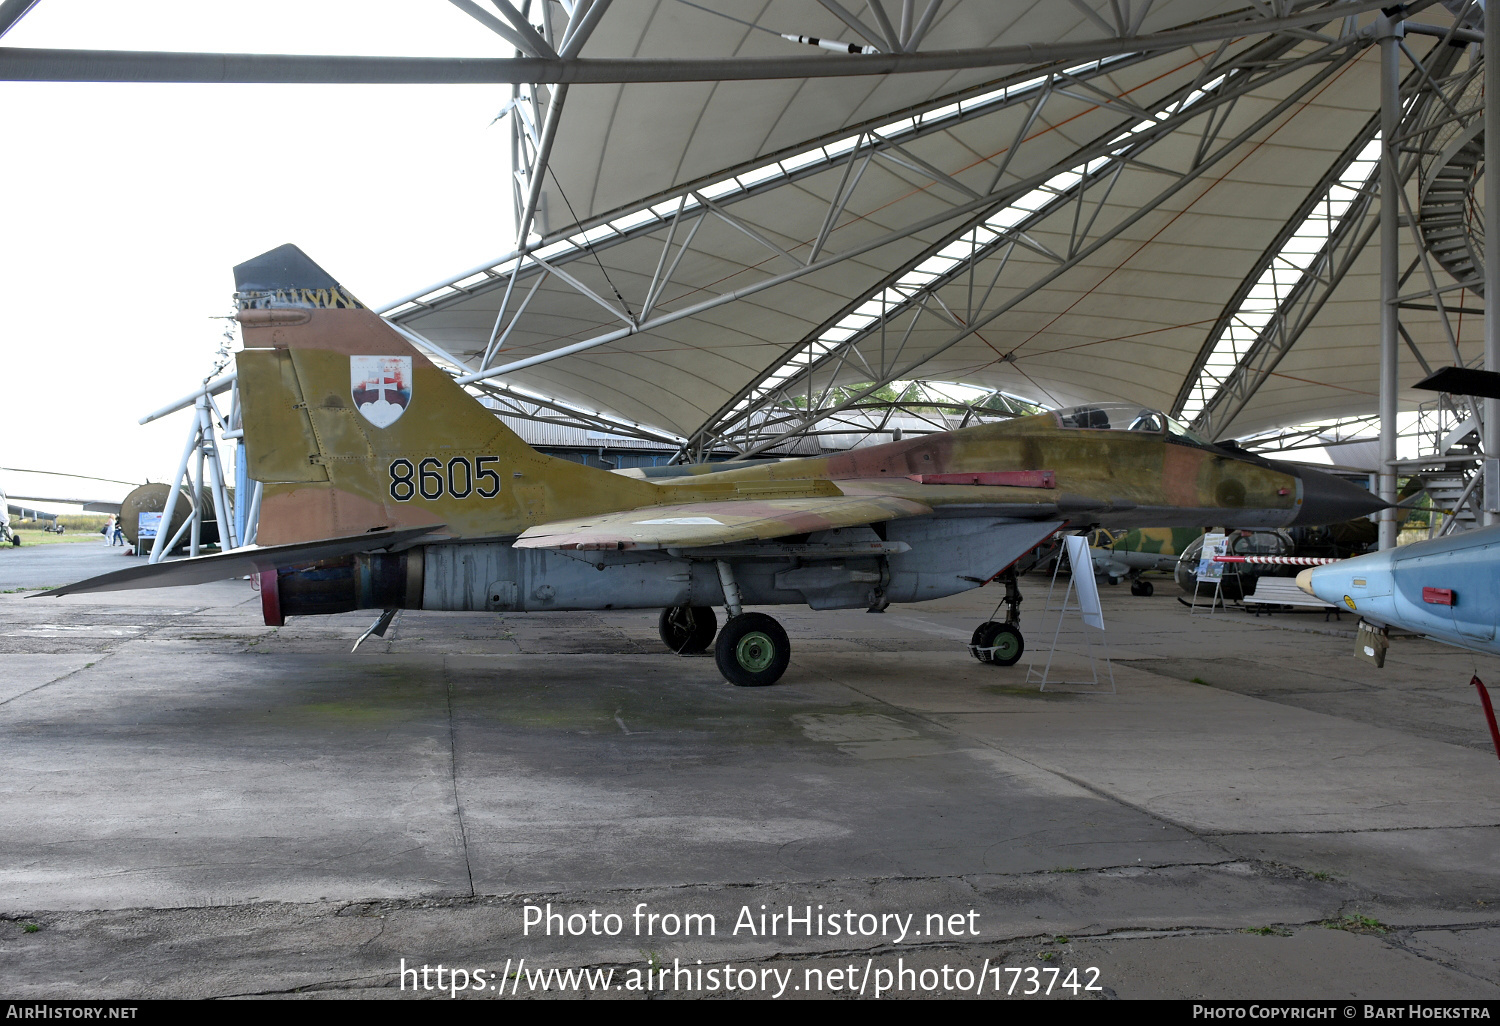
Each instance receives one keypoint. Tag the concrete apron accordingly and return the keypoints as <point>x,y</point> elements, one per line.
<point>198,805</point>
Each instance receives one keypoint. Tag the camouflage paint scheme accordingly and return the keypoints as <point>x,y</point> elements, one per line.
<point>327,471</point>
<point>1161,541</point>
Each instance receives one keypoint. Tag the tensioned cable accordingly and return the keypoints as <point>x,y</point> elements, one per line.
<point>590,246</point>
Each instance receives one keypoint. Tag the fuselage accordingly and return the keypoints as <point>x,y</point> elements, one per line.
<point>1445,588</point>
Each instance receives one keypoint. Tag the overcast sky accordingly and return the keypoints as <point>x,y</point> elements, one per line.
<point>125,206</point>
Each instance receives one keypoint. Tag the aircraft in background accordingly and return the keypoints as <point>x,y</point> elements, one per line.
<point>9,509</point>
<point>1445,588</point>
<point>1125,556</point>
<point>386,486</point>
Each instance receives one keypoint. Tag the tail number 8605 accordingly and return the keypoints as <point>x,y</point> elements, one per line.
<point>430,478</point>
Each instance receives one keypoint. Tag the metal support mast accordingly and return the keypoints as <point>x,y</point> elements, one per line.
<point>1491,438</point>
<point>1389,34</point>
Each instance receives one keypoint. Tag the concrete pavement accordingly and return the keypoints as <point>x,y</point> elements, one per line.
<point>198,805</point>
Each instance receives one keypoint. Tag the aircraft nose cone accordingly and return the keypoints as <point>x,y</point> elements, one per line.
<point>1304,580</point>
<point>1330,500</point>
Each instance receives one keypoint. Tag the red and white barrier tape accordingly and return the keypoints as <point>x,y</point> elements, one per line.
<point>1277,560</point>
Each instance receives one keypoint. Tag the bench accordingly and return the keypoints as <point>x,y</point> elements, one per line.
<point>1271,592</point>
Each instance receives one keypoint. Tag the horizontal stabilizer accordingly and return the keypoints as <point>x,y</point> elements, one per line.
<point>1463,381</point>
<point>691,524</point>
<point>239,563</point>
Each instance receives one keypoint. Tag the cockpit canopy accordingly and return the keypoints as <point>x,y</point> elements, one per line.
<point>1124,417</point>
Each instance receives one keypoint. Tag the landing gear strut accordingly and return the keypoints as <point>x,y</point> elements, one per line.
<point>1001,643</point>
<point>753,650</point>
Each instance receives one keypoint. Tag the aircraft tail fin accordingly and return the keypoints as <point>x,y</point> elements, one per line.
<point>351,429</point>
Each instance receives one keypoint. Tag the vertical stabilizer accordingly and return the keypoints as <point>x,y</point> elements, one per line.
<point>351,429</point>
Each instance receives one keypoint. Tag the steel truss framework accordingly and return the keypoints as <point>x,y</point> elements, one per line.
<point>790,397</point>
<point>864,341</point>
<point>830,381</point>
<point>1344,200</point>
<point>875,325</point>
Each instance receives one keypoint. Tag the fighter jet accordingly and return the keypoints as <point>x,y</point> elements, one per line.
<point>1126,556</point>
<point>1445,588</point>
<point>386,486</point>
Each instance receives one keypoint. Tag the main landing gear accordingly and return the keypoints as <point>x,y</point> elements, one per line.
<point>996,642</point>
<point>1142,588</point>
<point>752,650</point>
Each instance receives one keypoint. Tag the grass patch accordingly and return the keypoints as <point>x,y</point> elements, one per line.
<point>1047,956</point>
<point>1199,680</point>
<point>1268,931</point>
<point>1066,869</point>
<point>1322,875</point>
<point>17,591</point>
<point>31,927</point>
<point>1059,939</point>
<point>48,538</point>
<point>1357,924</point>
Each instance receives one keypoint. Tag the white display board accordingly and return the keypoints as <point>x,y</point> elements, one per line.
<point>1084,580</point>
<point>1213,545</point>
<point>148,525</point>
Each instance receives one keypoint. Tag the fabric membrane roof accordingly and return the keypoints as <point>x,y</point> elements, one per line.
<point>1066,232</point>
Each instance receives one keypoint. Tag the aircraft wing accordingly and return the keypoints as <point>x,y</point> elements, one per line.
<point>237,563</point>
<point>693,524</point>
<point>27,513</point>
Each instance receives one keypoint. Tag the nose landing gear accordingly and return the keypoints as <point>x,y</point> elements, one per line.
<point>1000,643</point>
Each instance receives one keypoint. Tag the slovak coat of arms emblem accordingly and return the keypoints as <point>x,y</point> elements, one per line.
<point>381,386</point>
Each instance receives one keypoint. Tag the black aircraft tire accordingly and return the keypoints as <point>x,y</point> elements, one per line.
<point>980,638</point>
<point>1005,639</point>
<point>1145,589</point>
<point>688,630</point>
<point>752,651</point>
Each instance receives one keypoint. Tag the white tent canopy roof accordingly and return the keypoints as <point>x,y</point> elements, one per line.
<point>1066,232</point>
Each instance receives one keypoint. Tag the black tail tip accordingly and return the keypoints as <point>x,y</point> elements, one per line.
<point>285,267</point>
<point>286,276</point>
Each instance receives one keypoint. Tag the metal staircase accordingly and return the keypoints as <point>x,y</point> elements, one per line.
<point>1449,216</point>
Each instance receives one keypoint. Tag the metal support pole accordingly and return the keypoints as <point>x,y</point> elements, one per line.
<point>252,518</point>
<point>1389,33</point>
<point>195,539</point>
<point>223,516</point>
<point>1490,437</point>
<point>241,494</point>
<point>539,166</point>
<point>160,546</point>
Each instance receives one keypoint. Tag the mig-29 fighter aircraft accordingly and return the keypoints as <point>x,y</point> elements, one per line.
<point>387,486</point>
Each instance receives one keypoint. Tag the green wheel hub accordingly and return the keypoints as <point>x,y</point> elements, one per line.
<point>1005,645</point>
<point>755,652</point>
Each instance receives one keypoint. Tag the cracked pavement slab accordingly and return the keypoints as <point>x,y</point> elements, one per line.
<point>198,805</point>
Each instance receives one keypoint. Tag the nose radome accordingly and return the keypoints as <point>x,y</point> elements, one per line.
<point>1330,500</point>
<point>1304,580</point>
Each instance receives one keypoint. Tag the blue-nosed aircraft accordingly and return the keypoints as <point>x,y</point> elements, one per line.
<point>1446,588</point>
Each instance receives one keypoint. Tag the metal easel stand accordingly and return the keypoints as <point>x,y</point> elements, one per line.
<point>1089,645</point>
<point>1218,599</point>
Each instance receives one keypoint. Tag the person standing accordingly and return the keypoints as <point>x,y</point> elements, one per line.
<point>109,530</point>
